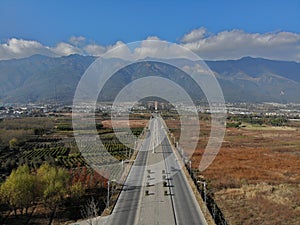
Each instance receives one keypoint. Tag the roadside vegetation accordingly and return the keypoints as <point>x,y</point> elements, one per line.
<point>43,177</point>
<point>255,178</point>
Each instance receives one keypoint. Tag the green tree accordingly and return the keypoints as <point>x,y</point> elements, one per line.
<point>76,191</point>
<point>18,190</point>
<point>52,186</point>
<point>13,143</point>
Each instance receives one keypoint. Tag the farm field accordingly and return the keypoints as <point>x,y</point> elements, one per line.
<point>36,141</point>
<point>255,178</point>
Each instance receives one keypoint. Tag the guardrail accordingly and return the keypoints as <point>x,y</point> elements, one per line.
<point>212,206</point>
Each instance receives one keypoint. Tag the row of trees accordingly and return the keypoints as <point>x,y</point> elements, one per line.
<point>23,188</point>
<point>259,120</point>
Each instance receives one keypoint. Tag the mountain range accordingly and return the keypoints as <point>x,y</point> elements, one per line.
<point>43,79</point>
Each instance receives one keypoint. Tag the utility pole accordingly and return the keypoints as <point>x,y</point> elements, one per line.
<point>153,145</point>
<point>181,149</point>
<point>204,191</point>
<point>153,137</point>
<point>108,183</point>
<point>204,186</point>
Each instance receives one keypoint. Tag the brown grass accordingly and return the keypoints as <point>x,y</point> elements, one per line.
<point>255,177</point>
<point>123,123</point>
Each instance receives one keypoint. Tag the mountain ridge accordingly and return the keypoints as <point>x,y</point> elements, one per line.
<point>40,78</point>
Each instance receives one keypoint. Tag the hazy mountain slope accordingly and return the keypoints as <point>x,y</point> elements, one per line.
<point>255,67</point>
<point>41,78</point>
<point>45,79</point>
<point>258,80</point>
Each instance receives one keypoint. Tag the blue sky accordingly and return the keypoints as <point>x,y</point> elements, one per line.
<point>106,22</point>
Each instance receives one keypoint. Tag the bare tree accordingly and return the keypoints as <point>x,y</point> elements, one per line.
<point>90,212</point>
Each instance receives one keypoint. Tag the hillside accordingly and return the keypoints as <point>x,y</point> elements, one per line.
<point>45,79</point>
<point>41,78</point>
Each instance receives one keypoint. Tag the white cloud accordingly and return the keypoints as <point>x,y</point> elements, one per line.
<point>194,35</point>
<point>237,43</point>
<point>77,40</point>
<point>118,50</point>
<point>95,50</point>
<point>153,38</point>
<point>230,44</point>
<point>155,48</point>
<point>18,48</point>
<point>62,49</point>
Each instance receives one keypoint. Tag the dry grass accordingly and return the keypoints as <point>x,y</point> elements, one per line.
<point>255,177</point>
<point>261,204</point>
<point>124,123</point>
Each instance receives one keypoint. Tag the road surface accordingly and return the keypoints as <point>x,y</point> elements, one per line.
<point>165,204</point>
<point>179,206</point>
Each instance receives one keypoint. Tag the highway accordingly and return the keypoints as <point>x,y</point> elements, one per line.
<point>173,203</point>
<point>187,210</point>
<point>126,207</point>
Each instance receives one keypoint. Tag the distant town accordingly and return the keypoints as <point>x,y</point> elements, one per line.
<point>289,110</point>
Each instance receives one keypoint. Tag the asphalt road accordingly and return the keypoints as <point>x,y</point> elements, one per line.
<point>185,209</point>
<point>126,207</point>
